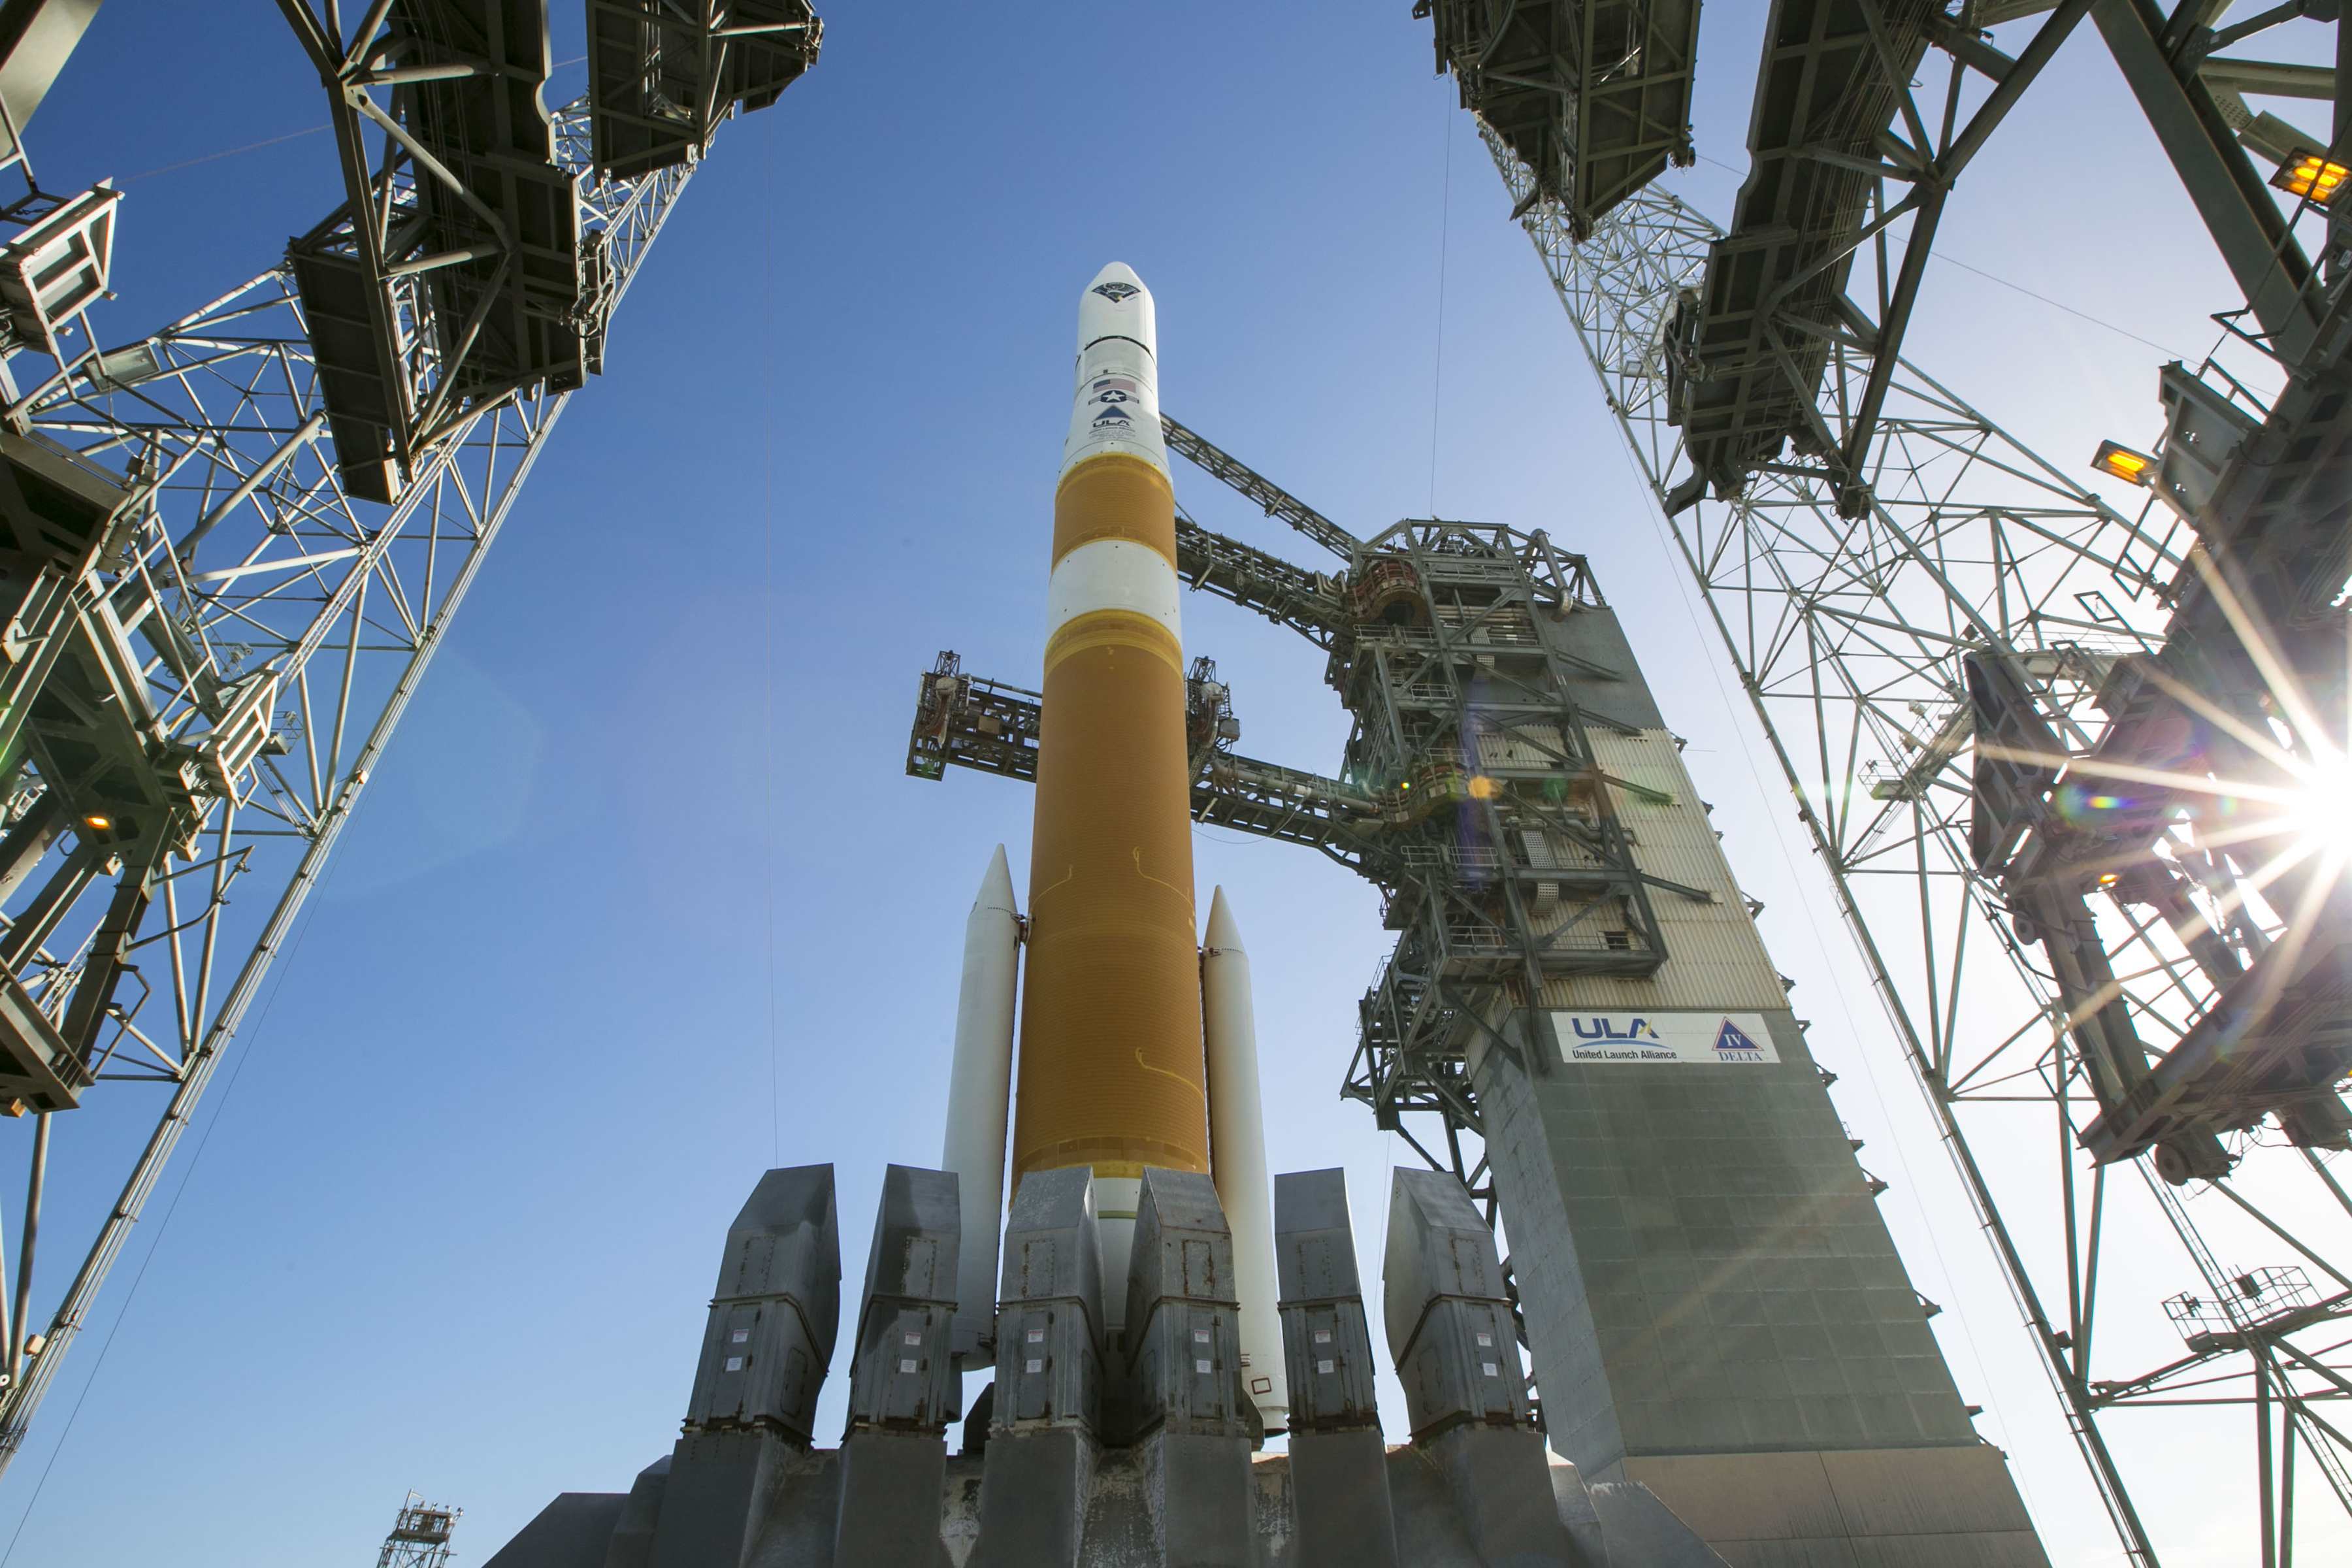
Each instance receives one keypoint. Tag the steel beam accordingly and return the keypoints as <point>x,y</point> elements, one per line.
<point>2235,202</point>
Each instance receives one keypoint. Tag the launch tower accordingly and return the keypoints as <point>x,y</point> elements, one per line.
<point>1140,1349</point>
<point>1710,1301</point>
<point>420,1535</point>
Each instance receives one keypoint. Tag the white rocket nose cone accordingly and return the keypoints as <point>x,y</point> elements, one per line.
<point>996,887</point>
<point>1116,305</point>
<point>1117,396</point>
<point>1223,935</point>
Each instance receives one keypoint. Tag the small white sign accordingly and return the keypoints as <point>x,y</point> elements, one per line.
<point>1720,1037</point>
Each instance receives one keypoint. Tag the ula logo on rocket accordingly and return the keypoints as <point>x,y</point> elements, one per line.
<point>1110,395</point>
<point>1117,292</point>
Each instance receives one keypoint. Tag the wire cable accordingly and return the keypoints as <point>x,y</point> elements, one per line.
<point>271,142</point>
<point>2020,288</point>
<point>253,1038</point>
<point>768,633</point>
<point>233,152</point>
<point>1437,372</point>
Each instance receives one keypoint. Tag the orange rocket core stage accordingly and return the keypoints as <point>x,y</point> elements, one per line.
<point>1112,1074</point>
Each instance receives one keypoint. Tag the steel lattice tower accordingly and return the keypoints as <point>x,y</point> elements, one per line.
<point>235,542</point>
<point>2060,761</point>
<point>420,1535</point>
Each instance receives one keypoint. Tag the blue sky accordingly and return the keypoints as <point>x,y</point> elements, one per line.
<point>642,902</point>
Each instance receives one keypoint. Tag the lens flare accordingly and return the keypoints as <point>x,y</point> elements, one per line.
<point>2324,814</point>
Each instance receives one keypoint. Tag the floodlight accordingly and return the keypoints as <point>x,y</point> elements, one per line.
<point>2121,461</point>
<point>2314,177</point>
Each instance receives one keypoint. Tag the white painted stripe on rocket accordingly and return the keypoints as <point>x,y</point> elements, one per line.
<point>1113,574</point>
<point>1116,407</point>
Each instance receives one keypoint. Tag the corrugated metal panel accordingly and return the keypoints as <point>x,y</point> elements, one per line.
<point>1715,957</point>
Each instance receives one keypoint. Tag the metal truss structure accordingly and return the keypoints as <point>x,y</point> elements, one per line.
<point>235,544</point>
<point>1593,99</point>
<point>419,1536</point>
<point>2074,770</point>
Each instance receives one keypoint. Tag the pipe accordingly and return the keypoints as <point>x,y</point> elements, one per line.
<point>24,1314</point>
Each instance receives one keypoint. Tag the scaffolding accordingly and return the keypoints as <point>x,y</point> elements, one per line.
<point>420,1535</point>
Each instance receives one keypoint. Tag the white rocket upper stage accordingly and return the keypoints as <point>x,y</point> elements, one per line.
<point>1116,403</point>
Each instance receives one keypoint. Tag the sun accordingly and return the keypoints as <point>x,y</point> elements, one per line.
<point>2321,813</point>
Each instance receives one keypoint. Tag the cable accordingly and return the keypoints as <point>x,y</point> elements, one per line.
<point>188,1171</point>
<point>248,147</point>
<point>1437,375</point>
<point>768,631</point>
<point>2020,288</point>
<point>2058,305</point>
<point>272,142</point>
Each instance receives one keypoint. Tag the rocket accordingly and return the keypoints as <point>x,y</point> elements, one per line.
<point>1115,1072</point>
<point>1112,1072</point>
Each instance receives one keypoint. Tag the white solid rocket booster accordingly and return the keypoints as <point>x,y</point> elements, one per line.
<point>979,1091</point>
<point>1237,1155</point>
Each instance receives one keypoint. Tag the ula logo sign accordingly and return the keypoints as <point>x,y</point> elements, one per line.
<point>1603,1027</point>
<point>1676,1038</point>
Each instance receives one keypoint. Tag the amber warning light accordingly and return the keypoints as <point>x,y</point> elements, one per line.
<point>2312,176</point>
<point>2125,464</point>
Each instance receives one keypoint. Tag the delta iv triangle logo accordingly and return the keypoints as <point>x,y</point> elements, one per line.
<point>1118,293</point>
<point>1729,1039</point>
